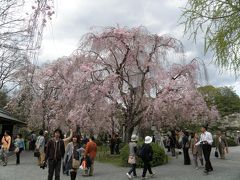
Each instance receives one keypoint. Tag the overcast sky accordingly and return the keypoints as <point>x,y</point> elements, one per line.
<point>74,18</point>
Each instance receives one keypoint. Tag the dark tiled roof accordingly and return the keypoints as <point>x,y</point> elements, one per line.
<point>6,116</point>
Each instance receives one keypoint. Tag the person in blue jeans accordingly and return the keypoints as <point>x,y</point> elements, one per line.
<point>20,146</point>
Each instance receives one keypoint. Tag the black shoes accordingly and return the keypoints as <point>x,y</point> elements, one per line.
<point>207,171</point>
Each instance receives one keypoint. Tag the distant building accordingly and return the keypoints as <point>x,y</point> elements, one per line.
<point>7,122</point>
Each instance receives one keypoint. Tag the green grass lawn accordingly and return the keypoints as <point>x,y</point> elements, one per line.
<point>104,156</point>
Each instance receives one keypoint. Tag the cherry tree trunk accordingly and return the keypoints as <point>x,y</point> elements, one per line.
<point>128,134</point>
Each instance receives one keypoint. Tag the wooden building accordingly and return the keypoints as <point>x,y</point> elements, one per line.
<point>7,122</point>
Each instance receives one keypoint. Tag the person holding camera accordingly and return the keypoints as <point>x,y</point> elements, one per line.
<point>206,141</point>
<point>54,153</point>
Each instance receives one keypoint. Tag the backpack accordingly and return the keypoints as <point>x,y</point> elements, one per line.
<point>140,151</point>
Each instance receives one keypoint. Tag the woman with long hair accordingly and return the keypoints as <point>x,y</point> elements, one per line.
<point>72,157</point>
<point>196,150</point>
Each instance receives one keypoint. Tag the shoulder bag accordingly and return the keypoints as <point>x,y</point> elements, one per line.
<point>131,160</point>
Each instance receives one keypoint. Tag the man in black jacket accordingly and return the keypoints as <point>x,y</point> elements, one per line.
<point>54,153</point>
<point>147,156</point>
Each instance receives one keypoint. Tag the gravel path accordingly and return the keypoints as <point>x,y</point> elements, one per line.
<point>228,169</point>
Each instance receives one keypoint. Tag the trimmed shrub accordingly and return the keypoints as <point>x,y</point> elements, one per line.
<point>159,156</point>
<point>231,142</point>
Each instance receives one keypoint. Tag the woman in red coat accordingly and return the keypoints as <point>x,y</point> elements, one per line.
<point>91,152</point>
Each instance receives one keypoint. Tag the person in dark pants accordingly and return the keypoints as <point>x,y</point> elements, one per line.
<point>113,143</point>
<point>19,147</point>
<point>33,139</point>
<point>173,141</point>
<point>186,146</point>
<point>206,141</point>
<point>118,141</point>
<point>147,155</point>
<point>132,156</point>
<point>54,154</point>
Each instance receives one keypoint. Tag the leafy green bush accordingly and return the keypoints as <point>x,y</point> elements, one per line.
<point>231,142</point>
<point>159,156</point>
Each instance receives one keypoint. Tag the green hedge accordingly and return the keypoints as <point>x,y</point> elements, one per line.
<point>231,142</point>
<point>159,156</point>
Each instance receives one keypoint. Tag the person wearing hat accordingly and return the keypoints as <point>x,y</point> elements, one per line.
<point>147,156</point>
<point>206,141</point>
<point>132,156</point>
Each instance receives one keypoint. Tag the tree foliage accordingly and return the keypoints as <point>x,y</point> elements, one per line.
<point>117,76</point>
<point>21,30</point>
<point>3,98</point>
<point>224,98</point>
<point>219,21</point>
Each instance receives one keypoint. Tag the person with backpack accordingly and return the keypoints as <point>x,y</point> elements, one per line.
<point>186,146</point>
<point>147,156</point>
<point>132,156</point>
<point>6,143</point>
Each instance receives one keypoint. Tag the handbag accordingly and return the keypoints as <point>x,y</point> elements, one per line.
<point>36,153</point>
<point>131,160</point>
<point>187,145</point>
<point>75,163</point>
<point>83,165</point>
<point>16,150</point>
<point>216,153</point>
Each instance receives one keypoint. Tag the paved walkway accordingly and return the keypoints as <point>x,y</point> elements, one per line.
<point>228,169</point>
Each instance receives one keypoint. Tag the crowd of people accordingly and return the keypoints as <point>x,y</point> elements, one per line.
<point>78,152</point>
<point>179,142</point>
<point>199,145</point>
<point>69,153</point>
